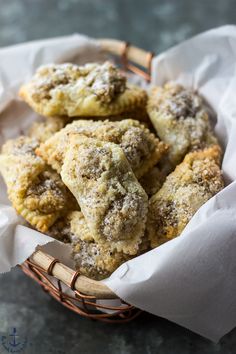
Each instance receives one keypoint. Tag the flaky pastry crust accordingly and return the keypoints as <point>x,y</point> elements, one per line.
<point>89,90</point>
<point>110,197</point>
<point>35,190</point>
<point>93,259</point>
<point>142,149</point>
<point>44,130</point>
<point>185,190</point>
<point>180,119</point>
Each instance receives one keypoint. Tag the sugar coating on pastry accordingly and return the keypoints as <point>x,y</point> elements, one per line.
<point>92,259</point>
<point>89,90</point>
<point>42,131</point>
<point>19,163</point>
<point>185,190</point>
<point>110,197</point>
<point>79,227</point>
<point>53,150</point>
<point>142,149</point>
<point>35,190</point>
<point>180,119</point>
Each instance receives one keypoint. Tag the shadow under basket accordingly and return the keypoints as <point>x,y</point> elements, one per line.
<point>88,297</point>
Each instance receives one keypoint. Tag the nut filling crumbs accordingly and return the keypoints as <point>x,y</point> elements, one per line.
<point>142,149</point>
<point>22,146</point>
<point>111,199</point>
<point>181,120</point>
<point>47,193</point>
<point>183,103</point>
<point>185,190</point>
<point>35,190</point>
<point>90,90</point>
<point>94,260</point>
<point>105,81</point>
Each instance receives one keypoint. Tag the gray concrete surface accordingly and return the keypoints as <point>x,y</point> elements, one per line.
<point>152,24</point>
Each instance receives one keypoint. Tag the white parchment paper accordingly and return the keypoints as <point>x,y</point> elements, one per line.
<point>190,280</point>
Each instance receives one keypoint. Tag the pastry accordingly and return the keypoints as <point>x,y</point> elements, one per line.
<point>86,182</point>
<point>180,119</point>
<point>35,190</point>
<point>43,130</point>
<point>185,190</point>
<point>89,90</point>
<point>111,199</point>
<point>142,149</point>
<point>94,260</point>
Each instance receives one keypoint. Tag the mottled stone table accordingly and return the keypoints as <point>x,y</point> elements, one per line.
<point>154,25</point>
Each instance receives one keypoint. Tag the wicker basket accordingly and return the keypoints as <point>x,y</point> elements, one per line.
<point>56,278</point>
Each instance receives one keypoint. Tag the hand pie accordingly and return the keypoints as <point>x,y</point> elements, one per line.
<point>36,192</point>
<point>111,199</point>
<point>142,149</point>
<point>180,120</point>
<point>185,190</point>
<point>89,90</point>
<point>94,260</point>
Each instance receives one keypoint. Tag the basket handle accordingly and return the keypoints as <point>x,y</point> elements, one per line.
<point>129,53</point>
<point>48,264</point>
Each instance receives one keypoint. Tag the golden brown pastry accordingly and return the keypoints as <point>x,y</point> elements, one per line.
<point>110,197</point>
<point>185,190</point>
<point>142,149</point>
<point>35,190</point>
<point>95,260</point>
<point>92,259</point>
<point>43,130</point>
<point>180,119</point>
<point>89,90</point>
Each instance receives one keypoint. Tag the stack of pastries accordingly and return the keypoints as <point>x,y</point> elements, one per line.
<point>111,170</point>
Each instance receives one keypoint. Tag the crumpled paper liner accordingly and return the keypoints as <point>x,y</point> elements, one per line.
<point>190,280</point>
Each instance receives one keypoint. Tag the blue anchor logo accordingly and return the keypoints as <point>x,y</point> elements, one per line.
<point>14,335</point>
<point>12,344</point>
